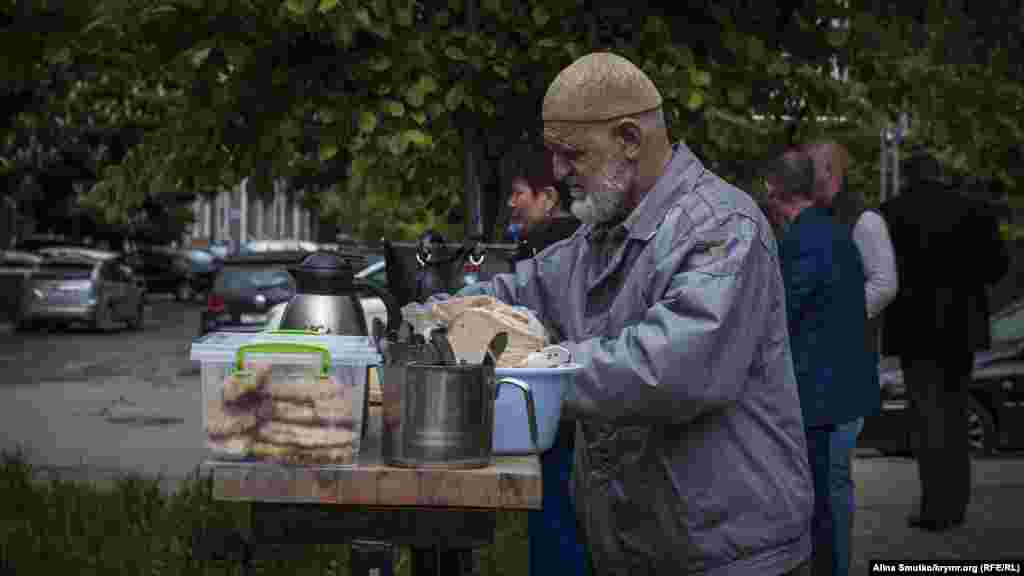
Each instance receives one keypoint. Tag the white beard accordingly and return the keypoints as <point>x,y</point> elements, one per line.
<point>607,200</point>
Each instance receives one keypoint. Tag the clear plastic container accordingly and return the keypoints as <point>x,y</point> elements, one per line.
<point>290,398</point>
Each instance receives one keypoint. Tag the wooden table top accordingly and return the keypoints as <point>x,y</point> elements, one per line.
<point>511,482</point>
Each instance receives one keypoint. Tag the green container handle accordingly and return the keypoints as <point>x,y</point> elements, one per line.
<point>285,348</point>
<point>292,332</point>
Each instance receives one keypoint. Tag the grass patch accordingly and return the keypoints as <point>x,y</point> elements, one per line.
<point>73,527</point>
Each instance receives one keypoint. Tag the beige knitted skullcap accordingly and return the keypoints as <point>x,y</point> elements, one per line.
<point>599,86</point>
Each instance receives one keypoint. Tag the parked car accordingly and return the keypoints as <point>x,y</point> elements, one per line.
<point>71,288</point>
<point>262,246</point>
<point>204,266</point>
<point>247,291</point>
<point>995,408</point>
<point>18,261</point>
<point>37,242</point>
<point>76,252</point>
<point>171,271</point>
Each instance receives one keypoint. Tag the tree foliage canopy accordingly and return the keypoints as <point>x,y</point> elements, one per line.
<point>375,104</point>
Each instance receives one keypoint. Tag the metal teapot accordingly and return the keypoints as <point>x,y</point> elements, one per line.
<point>327,298</point>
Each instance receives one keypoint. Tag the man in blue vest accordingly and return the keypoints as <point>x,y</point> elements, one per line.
<point>836,373</point>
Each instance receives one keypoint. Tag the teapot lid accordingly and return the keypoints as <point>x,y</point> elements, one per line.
<point>323,273</point>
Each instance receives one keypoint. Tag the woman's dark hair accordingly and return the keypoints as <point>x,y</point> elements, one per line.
<point>536,168</point>
<point>847,205</point>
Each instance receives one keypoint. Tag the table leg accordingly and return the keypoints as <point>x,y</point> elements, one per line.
<point>442,561</point>
<point>372,558</point>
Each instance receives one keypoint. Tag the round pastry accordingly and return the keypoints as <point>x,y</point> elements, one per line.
<point>335,411</point>
<point>222,420</point>
<point>305,391</point>
<point>237,445</point>
<point>305,436</point>
<point>239,386</point>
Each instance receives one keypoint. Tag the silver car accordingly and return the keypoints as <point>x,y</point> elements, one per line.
<point>74,288</point>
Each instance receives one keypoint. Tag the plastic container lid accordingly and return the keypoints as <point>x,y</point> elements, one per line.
<point>222,347</point>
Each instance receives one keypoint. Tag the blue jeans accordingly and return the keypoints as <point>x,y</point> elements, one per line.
<point>823,535</point>
<point>844,440</point>
<point>555,547</point>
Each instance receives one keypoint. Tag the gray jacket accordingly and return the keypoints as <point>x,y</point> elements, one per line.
<point>690,444</point>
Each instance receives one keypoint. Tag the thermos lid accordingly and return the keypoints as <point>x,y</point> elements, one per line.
<point>324,273</point>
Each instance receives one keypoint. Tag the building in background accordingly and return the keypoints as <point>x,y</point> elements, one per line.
<point>235,216</point>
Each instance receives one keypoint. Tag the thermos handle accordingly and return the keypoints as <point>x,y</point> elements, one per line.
<point>394,312</point>
<point>528,398</point>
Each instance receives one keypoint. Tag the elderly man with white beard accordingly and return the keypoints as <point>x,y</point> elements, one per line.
<point>691,453</point>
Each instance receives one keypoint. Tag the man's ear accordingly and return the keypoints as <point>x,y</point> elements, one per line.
<point>552,194</point>
<point>629,136</point>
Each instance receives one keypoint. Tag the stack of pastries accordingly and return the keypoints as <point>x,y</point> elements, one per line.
<point>293,421</point>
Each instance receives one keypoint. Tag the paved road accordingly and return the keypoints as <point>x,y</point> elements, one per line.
<point>131,401</point>
<point>117,400</point>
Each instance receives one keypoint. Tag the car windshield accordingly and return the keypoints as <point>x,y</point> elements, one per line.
<point>1009,327</point>
<point>241,280</point>
<point>64,271</point>
<point>201,256</point>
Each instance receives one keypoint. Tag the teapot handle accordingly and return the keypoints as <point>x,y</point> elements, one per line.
<point>394,312</point>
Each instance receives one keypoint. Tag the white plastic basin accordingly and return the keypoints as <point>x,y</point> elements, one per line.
<point>511,427</point>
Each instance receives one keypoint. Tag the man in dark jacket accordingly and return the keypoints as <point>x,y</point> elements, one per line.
<point>929,326</point>
<point>836,372</point>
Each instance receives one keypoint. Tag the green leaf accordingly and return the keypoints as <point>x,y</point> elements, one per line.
<point>367,122</point>
<point>501,70</point>
<point>414,96</point>
<point>453,52</point>
<point>296,7</point>
<point>328,151</point>
<point>380,64</point>
<point>442,18</point>
<point>428,84</point>
<point>380,8</point>
<point>548,42</point>
<point>435,109</point>
<point>455,5</point>
<point>755,49</point>
<point>326,6</point>
<point>455,96</point>
<point>700,77</point>
<point>403,16</point>
<point>418,138</point>
<point>419,117</point>
<point>837,37</point>
<point>696,100</point>
<point>394,108</point>
<point>362,17</point>
<point>738,96</point>
<point>540,16</point>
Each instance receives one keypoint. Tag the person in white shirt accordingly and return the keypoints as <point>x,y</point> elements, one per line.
<point>871,236</point>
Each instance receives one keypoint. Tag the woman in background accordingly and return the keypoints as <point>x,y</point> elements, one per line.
<point>540,211</point>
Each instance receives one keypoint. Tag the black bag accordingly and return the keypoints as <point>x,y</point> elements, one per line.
<point>416,271</point>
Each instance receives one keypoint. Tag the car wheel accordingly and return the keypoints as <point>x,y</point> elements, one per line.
<point>981,429</point>
<point>101,318</point>
<point>184,292</point>
<point>24,325</point>
<point>138,320</point>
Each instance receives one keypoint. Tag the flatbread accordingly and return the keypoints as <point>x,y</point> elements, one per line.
<point>237,445</point>
<point>305,391</point>
<point>223,420</point>
<point>336,410</point>
<point>305,436</point>
<point>239,387</point>
<point>472,330</point>
<point>300,456</point>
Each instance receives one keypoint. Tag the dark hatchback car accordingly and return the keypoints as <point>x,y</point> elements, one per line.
<point>183,273</point>
<point>995,409</point>
<point>247,291</point>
